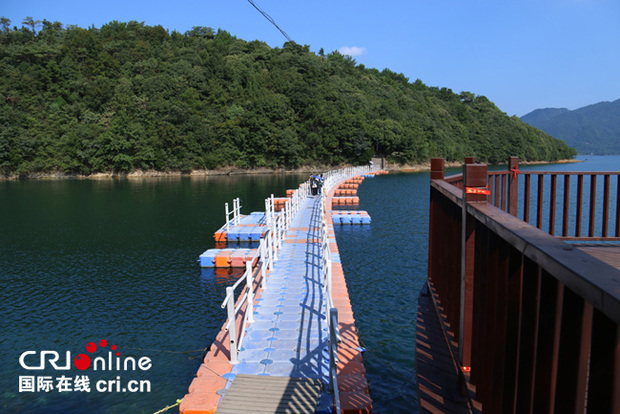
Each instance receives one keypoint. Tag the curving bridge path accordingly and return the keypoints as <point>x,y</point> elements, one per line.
<point>284,361</point>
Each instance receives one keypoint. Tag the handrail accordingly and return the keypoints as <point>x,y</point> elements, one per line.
<point>270,243</point>
<point>332,317</point>
<point>330,179</point>
<point>334,340</point>
<point>562,203</point>
<point>265,256</point>
<point>236,212</point>
<point>576,205</point>
<point>247,297</point>
<point>326,261</point>
<point>548,313</point>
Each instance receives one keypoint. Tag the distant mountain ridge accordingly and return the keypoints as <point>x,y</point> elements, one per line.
<point>593,129</point>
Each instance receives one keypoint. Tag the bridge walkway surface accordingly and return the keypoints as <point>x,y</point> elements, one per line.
<point>290,334</point>
<point>284,354</point>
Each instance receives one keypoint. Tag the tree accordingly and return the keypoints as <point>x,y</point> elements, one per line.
<point>129,96</point>
<point>5,23</point>
<point>30,22</point>
<point>201,31</point>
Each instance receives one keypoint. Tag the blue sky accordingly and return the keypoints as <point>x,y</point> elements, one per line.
<point>521,54</point>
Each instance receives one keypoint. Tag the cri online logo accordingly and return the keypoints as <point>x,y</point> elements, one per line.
<point>84,361</point>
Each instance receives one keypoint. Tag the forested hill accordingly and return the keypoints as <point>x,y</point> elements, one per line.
<point>128,96</point>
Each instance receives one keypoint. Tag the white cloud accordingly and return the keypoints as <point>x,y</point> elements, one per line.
<point>352,51</point>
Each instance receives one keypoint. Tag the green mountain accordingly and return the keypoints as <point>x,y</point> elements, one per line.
<point>128,96</point>
<point>593,129</point>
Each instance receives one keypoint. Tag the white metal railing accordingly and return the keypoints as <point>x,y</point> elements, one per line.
<point>334,340</point>
<point>233,309</point>
<point>267,253</point>
<point>332,177</point>
<point>236,213</point>
<point>277,224</point>
<point>332,311</point>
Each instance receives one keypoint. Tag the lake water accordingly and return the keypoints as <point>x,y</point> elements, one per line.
<point>86,260</point>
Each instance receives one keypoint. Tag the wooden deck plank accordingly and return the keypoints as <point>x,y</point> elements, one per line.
<point>438,382</point>
<point>267,394</point>
<point>607,253</point>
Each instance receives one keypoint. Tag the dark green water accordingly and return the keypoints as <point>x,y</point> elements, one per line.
<point>82,261</point>
<point>385,268</point>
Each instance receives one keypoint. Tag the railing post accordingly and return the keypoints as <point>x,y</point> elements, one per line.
<point>270,248</point>
<point>474,177</point>
<point>232,329</point>
<point>513,185</point>
<point>280,232</point>
<point>273,207</point>
<point>250,286</point>
<point>437,168</point>
<point>289,214</point>
<point>236,210</point>
<point>475,181</point>
<point>437,173</point>
<point>333,360</point>
<point>470,160</point>
<point>264,260</point>
<point>274,241</point>
<point>227,218</point>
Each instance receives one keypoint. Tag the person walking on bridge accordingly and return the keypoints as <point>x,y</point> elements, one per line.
<point>314,185</point>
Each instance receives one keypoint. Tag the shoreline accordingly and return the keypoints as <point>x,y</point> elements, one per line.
<point>140,174</point>
<point>455,164</point>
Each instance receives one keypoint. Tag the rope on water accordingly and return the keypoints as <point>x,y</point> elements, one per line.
<point>163,410</point>
<point>198,353</point>
<point>166,351</point>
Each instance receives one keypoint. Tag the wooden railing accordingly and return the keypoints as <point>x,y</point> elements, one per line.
<point>572,205</point>
<point>536,321</point>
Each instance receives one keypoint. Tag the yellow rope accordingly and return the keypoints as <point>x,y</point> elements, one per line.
<point>169,407</point>
<point>166,351</point>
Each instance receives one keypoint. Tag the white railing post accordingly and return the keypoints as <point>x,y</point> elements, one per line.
<point>263,262</point>
<point>289,216</point>
<point>250,286</point>
<point>333,359</point>
<point>280,231</point>
<point>267,210</point>
<point>270,248</point>
<point>273,208</point>
<point>227,218</point>
<point>232,326</point>
<point>236,209</point>
<point>328,275</point>
<point>274,240</point>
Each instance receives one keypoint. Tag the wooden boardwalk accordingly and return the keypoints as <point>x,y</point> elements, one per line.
<point>607,253</point>
<point>437,372</point>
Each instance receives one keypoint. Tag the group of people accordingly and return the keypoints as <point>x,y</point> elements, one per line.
<point>316,183</point>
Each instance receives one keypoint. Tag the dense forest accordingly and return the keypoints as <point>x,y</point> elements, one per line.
<point>129,96</point>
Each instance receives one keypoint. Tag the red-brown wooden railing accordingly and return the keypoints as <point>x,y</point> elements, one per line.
<point>558,203</point>
<point>535,319</point>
